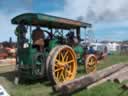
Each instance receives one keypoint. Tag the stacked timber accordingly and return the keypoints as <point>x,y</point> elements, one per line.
<point>113,77</point>
<point>86,80</point>
<point>121,78</point>
<point>7,66</point>
<point>8,61</point>
<point>118,74</point>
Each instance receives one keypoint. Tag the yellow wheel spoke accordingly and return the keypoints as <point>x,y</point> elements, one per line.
<point>91,60</point>
<point>66,58</point>
<point>56,65</point>
<point>69,72</point>
<point>62,57</point>
<point>59,77</point>
<point>58,62</point>
<point>93,63</point>
<point>71,61</point>
<point>89,63</point>
<point>91,69</point>
<point>69,75</point>
<point>62,75</point>
<point>58,69</point>
<point>65,54</point>
<point>69,67</point>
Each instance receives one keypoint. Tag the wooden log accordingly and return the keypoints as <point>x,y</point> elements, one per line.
<point>97,83</point>
<point>122,72</point>
<point>8,61</point>
<point>7,68</point>
<point>86,80</point>
<point>121,77</point>
<point>117,74</point>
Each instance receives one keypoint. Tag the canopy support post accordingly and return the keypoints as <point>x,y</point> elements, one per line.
<point>78,33</point>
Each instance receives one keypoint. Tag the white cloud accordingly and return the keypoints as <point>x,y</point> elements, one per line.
<point>7,29</point>
<point>9,9</point>
<point>106,14</point>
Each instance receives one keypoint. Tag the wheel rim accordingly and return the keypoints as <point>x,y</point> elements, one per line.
<point>49,59</point>
<point>91,62</point>
<point>64,65</point>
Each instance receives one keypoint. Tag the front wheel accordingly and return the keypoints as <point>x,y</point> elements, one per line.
<point>90,63</point>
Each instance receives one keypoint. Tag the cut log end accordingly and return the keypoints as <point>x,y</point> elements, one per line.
<point>117,80</point>
<point>125,86</point>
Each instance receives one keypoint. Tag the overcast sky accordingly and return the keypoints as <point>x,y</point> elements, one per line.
<point>109,17</point>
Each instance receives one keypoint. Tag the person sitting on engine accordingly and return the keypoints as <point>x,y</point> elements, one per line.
<point>72,39</point>
<point>38,38</point>
<point>91,50</point>
<point>20,32</point>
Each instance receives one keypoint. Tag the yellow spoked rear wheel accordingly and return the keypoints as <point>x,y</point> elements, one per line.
<point>90,63</point>
<point>63,65</point>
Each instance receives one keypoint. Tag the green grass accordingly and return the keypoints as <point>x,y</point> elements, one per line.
<point>106,89</point>
<point>44,89</point>
<point>38,89</point>
<point>112,59</point>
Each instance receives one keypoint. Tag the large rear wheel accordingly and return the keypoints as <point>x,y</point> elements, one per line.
<point>63,65</point>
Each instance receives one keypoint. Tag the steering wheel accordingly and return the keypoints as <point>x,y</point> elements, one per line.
<point>49,35</point>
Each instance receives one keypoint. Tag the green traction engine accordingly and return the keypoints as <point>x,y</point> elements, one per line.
<point>56,54</point>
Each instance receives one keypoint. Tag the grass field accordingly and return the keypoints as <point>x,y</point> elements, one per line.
<point>106,89</point>
<point>44,89</point>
